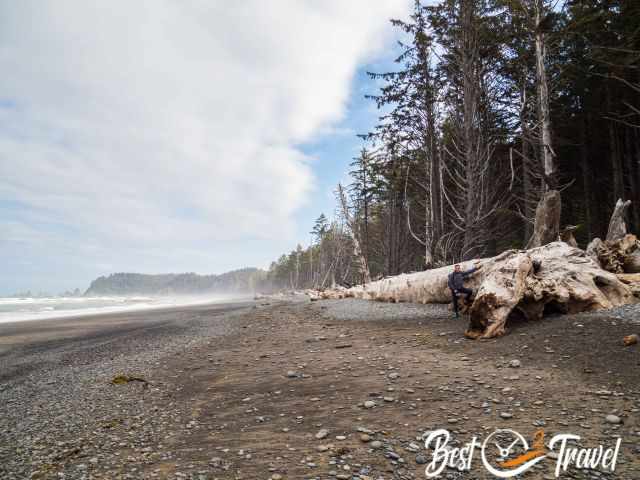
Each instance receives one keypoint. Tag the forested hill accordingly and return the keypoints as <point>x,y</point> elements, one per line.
<point>236,281</point>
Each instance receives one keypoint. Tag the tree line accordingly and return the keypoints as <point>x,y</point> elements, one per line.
<point>495,108</point>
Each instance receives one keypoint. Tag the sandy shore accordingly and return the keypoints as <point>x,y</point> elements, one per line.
<point>332,389</point>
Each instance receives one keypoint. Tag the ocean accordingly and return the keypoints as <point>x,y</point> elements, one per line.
<point>22,309</point>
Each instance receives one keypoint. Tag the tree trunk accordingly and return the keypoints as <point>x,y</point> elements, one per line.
<point>617,223</point>
<point>543,98</point>
<point>631,175</point>
<point>432,228</point>
<point>522,283</point>
<point>470,110</point>
<point>357,250</point>
<point>616,165</point>
<point>527,184</point>
<point>547,225</point>
<point>586,175</point>
<point>620,252</point>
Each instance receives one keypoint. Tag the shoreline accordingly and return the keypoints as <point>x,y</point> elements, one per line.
<point>133,306</point>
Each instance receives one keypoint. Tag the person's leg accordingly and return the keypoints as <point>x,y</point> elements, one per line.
<point>468,292</point>
<point>467,296</point>
<point>454,296</point>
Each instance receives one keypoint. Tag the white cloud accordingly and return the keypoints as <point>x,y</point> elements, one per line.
<point>150,124</point>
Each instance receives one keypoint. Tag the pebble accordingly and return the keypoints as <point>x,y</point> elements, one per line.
<point>369,404</point>
<point>322,434</point>
<point>613,419</point>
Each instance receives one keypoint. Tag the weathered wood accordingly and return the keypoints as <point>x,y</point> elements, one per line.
<point>632,280</point>
<point>526,283</point>
<point>357,248</point>
<point>567,235</point>
<point>593,247</point>
<point>546,228</point>
<point>619,256</point>
<point>632,262</point>
<point>617,225</point>
<point>554,277</point>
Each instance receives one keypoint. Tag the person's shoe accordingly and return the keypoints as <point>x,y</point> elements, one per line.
<point>457,315</point>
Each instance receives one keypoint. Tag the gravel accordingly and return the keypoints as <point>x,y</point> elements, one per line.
<point>58,406</point>
<point>350,309</point>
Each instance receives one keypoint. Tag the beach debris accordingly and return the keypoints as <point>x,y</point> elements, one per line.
<point>122,379</point>
<point>630,340</point>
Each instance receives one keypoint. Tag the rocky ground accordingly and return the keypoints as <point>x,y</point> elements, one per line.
<point>340,389</point>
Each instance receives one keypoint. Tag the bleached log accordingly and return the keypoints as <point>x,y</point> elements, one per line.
<point>555,276</point>
<point>429,286</point>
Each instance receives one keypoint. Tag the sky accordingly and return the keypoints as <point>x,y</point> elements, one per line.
<point>176,136</point>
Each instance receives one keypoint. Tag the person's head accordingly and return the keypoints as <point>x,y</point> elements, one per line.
<point>456,267</point>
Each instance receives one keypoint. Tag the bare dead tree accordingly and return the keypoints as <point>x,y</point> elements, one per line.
<point>353,226</point>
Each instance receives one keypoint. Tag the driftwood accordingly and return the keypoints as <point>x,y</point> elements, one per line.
<point>617,225</point>
<point>620,252</point>
<point>546,228</point>
<point>619,256</point>
<point>632,280</point>
<point>523,283</point>
<point>566,235</point>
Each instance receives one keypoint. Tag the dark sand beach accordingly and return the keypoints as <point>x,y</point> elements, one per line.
<point>300,390</point>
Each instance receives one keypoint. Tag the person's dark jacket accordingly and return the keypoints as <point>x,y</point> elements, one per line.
<point>456,279</point>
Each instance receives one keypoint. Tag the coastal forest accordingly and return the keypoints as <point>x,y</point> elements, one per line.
<point>494,111</point>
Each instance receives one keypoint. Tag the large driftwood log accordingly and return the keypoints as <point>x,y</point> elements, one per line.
<point>546,228</point>
<point>525,283</point>
<point>555,277</point>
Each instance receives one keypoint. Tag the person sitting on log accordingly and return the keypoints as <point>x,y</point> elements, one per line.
<point>456,285</point>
